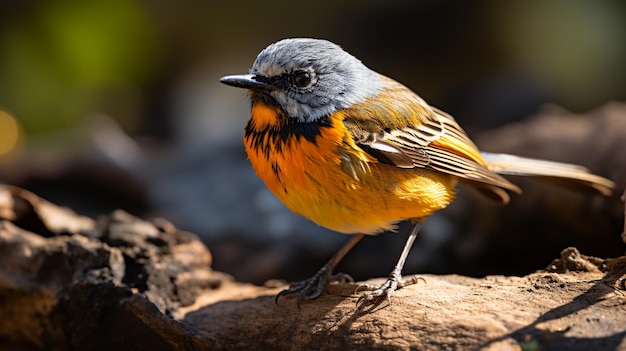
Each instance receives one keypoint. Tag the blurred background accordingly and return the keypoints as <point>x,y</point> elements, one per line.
<point>116,104</point>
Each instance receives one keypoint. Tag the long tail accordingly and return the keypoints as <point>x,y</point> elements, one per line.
<point>564,174</point>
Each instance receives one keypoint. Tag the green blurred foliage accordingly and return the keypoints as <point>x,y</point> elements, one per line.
<point>58,57</point>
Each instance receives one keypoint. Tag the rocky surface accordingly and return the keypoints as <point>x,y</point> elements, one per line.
<point>71,282</point>
<point>118,282</point>
<point>581,309</point>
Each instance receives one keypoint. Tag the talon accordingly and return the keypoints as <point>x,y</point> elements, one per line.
<point>283,292</point>
<point>313,287</point>
<point>387,289</point>
<point>363,287</point>
<point>413,280</point>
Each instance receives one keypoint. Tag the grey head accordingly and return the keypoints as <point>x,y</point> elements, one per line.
<point>308,78</point>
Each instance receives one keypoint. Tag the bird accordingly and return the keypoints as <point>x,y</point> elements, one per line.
<point>357,152</point>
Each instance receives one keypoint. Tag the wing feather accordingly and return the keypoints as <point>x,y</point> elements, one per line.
<point>400,128</point>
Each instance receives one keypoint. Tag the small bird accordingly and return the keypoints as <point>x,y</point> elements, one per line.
<point>357,152</point>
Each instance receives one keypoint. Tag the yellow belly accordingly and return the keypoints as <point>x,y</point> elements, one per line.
<point>371,205</point>
<point>310,177</point>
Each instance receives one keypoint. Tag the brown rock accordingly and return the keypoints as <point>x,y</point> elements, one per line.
<point>82,284</point>
<point>122,283</point>
<point>573,310</point>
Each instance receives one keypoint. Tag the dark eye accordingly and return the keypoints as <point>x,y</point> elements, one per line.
<point>301,79</point>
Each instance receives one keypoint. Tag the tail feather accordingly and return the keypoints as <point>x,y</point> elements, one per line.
<point>564,174</point>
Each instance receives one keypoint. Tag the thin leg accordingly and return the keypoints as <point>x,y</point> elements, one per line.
<point>313,287</point>
<point>394,282</point>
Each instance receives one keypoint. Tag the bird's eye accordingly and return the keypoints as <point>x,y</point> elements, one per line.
<point>301,79</point>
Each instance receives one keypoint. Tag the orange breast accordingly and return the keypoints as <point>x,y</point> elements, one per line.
<point>317,171</point>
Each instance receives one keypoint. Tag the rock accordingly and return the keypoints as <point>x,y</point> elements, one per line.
<point>583,309</point>
<point>123,283</point>
<point>69,282</point>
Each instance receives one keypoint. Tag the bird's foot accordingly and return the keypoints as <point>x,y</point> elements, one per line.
<point>387,289</point>
<point>313,287</point>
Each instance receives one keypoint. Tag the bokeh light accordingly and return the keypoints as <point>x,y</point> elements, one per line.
<point>9,133</point>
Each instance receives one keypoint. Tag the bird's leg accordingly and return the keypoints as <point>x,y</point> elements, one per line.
<point>394,282</point>
<point>313,287</point>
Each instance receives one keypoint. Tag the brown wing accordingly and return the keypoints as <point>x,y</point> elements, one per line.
<point>401,129</point>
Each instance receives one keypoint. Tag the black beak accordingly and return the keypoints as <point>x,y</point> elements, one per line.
<point>246,81</point>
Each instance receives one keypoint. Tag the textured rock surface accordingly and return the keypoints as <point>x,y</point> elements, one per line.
<point>70,282</point>
<point>579,305</point>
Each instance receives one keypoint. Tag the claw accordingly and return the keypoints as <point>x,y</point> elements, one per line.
<point>363,287</point>
<point>387,289</point>
<point>313,287</point>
